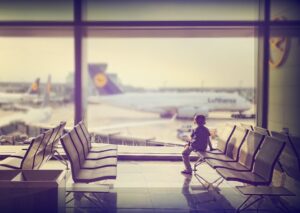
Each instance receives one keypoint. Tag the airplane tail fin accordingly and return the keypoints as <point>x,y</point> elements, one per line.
<point>103,83</point>
<point>34,87</point>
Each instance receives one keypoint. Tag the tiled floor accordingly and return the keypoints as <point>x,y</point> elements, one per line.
<point>158,186</point>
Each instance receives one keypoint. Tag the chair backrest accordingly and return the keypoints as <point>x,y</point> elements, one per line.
<point>224,137</point>
<point>28,159</point>
<point>72,155</point>
<point>78,146</point>
<point>37,153</point>
<point>236,140</point>
<point>261,130</point>
<point>250,148</point>
<point>32,157</point>
<point>39,156</point>
<point>86,133</point>
<point>289,159</point>
<point>267,157</point>
<point>83,139</point>
<point>51,145</point>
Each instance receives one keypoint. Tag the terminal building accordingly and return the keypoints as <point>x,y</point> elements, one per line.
<point>75,140</point>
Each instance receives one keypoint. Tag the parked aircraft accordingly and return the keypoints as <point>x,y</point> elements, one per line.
<point>32,114</point>
<point>32,95</point>
<point>167,104</point>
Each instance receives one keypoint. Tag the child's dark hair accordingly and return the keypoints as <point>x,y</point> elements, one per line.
<point>200,119</point>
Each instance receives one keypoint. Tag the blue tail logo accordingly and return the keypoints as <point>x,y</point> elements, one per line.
<point>35,87</point>
<point>102,82</point>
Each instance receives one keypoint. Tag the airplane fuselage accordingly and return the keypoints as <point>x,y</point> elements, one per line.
<point>161,102</point>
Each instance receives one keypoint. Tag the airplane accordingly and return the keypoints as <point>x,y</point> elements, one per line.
<point>166,104</point>
<point>31,95</point>
<point>31,115</point>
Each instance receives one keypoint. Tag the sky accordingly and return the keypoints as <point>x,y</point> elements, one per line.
<point>141,62</point>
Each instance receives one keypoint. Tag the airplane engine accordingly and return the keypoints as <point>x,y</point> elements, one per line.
<point>190,112</point>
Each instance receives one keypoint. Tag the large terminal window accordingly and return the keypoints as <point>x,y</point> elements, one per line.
<point>151,88</point>
<point>161,61</point>
<point>147,82</point>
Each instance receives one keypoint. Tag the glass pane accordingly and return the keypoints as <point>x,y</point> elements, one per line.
<point>284,102</point>
<point>35,82</point>
<point>285,10</point>
<point>164,10</point>
<point>144,88</point>
<point>36,10</point>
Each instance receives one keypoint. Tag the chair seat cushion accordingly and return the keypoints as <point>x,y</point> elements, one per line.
<point>103,148</point>
<point>242,176</point>
<point>94,164</point>
<point>19,154</point>
<point>216,151</point>
<point>228,165</point>
<point>101,155</point>
<point>220,157</point>
<point>11,162</point>
<point>94,175</point>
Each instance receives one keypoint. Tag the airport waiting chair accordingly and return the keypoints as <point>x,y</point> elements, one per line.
<point>87,136</point>
<point>233,147</point>
<point>263,166</point>
<point>79,174</point>
<point>246,154</point>
<point>105,153</point>
<point>36,155</point>
<point>260,178</point>
<point>51,148</point>
<point>15,162</point>
<point>222,142</point>
<point>290,158</point>
<point>223,139</point>
<point>31,158</point>
<point>262,192</point>
<point>88,163</point>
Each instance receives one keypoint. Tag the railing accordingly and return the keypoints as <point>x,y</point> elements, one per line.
<point>108,138</point>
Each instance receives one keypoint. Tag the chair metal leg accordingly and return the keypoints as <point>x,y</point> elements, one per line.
<point>200,179</point>
<point>93,201</point>
<point>198,162</point>
<point>258,205</point>
<point>282,205</point>
<point>243,206</point>
<point>218,179</point>
<point>68,201</point>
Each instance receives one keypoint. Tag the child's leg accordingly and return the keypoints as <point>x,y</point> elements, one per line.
<point>186,158</point>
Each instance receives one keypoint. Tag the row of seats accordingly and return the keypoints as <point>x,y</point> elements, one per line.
<point>88,164</point>
<point>40,150</point>
<point>289,160</point>
<point>249,155</point>
<point>253,152</point>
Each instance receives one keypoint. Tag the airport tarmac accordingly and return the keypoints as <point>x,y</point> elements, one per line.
<point>131,123</point>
